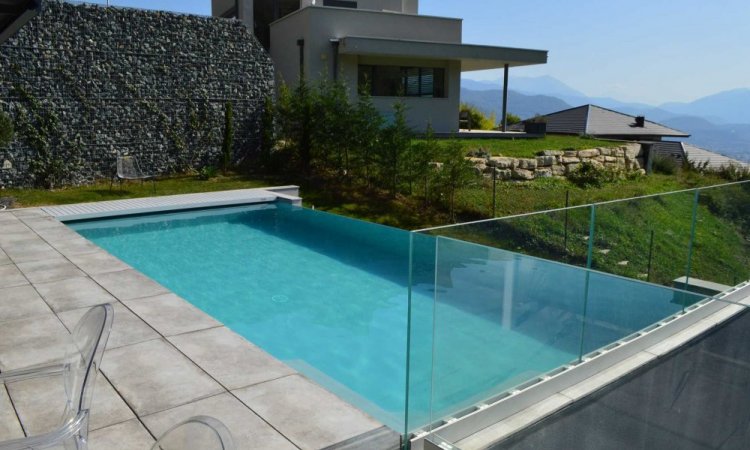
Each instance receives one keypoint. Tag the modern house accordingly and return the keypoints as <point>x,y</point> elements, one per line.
<point>382,44</point>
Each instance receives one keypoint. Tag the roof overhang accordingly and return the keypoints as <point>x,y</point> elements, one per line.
<point>14,14</point>
<point>472,57</point>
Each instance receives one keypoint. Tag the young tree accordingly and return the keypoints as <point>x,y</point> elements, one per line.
<point>456,173</point>
<point>395,145</point>
<point>368,125</point>
<point>422,154</point>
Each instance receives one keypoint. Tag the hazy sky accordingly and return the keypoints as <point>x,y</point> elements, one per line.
<point>651,51</point>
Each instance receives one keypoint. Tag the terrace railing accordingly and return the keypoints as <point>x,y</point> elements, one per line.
<point>498,305</point>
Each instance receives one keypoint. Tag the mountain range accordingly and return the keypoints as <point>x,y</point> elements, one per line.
<point>719,122</point>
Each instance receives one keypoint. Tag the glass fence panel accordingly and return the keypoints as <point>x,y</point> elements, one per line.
<point>617,307</point>
<point>500,319</point>
<point>560,235</point>
<point>645,239</point>
<point>692,398</point>
<point>721,250</point>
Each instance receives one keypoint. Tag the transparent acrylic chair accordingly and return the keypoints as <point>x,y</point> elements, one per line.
<point>199,432</point>
<point>78,371</point>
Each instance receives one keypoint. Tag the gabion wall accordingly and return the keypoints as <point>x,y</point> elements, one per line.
<point>83,82</point>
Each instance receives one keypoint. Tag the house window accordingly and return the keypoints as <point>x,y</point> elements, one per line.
<point>395,81</point>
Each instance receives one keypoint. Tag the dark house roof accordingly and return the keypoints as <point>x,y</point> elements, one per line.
<point>14,14</point>
<point>597,121</point>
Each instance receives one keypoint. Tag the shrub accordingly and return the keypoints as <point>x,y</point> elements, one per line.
<point>6,129</point>
<point>664,164</point>
<point>734,172</point>
<point>513,119</point>
<point>589,175</point>
<point>479,120</point>
<point>206,173</point>
<point>456,173</point>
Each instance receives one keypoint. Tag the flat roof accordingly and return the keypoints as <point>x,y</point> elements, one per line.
<point>472,57</point>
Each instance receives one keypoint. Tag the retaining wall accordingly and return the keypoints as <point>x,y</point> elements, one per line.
<point>82,82</point>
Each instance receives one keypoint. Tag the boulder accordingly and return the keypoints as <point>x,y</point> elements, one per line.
<point>545,161</point>
<point>544,173</point>
<point>501,162</point>
<point>633,151</point>
<point>606,151</point>
<point>558,170</point>
<point>570,160</point>
<point>504,174</point>
<point>525,163</point>
<point>592,153</point>
<point>570,168</point>
<point>552,153</point>
<point>570,153</point>
<point>521,174</point>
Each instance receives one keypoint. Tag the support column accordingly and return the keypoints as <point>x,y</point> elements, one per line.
<point>505,99</point>
<point>301,45</point>
<point>335,45</point>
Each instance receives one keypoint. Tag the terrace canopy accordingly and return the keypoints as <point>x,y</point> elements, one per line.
<point>472,57</point>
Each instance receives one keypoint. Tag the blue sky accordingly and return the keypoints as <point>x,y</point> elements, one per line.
<point>652,51</point>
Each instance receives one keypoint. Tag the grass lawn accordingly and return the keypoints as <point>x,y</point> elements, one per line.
<point>622,230</point>
<point>101,192</point>
<point>527,148</point>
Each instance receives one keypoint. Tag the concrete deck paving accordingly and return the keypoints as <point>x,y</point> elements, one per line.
<point>165,360</point>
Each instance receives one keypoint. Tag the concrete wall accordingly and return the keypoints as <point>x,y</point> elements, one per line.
<point>317,26</point>
<point>83,82</point>
<point>695,398</point>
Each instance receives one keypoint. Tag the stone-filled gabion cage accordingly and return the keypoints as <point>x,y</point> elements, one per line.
<point>82,82</point>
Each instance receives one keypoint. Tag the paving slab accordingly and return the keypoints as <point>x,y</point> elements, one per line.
<point>98,262</point>
<point>26,250</point>
<point>10,428</point>
<point>249,432</point>
<point>73,293</point>
<point>10,276</point>
<point>21,302</point>
<point>4,259</point>
<point>49,270</point>
<point>129,284</point>
<point>24,213</point>
<point>170,315</point>
<point>153,376</point>
<point>41,223</point>
<point>229,358</point>
<point>78,246</point>
<point>310,416</point>
<point>30,341</point>
<point>61,233</point>
<point>130,435</point>
<point>127,328</point>
<point>40,403</point>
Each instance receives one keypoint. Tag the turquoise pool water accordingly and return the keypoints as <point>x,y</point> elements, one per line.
<point>329,296</point>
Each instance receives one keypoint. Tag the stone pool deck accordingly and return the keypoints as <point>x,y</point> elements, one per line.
<point>165,359</point>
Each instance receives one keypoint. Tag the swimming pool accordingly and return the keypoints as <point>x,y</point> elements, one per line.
<point>330,297</point>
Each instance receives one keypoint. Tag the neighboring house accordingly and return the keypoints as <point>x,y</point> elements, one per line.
<point>14,14</point>
<point>383,44</point>
<point>605,123</point>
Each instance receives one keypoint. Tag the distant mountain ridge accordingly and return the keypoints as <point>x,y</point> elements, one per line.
<point>719,122</point>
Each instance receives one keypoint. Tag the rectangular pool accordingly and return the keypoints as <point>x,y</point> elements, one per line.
<point>330,297</point>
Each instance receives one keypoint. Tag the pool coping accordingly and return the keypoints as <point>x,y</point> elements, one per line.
<point>289,409</point>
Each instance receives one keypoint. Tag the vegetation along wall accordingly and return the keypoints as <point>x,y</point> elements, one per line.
<point>83,82</point>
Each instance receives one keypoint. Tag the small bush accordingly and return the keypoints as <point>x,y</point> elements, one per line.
<point>513,119</point>
<point>664,164</point>
<point>734,172</point>
<point>479,121</point>
<point>6,129</point>
<point>207,172</point>
<point>589,175</point>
